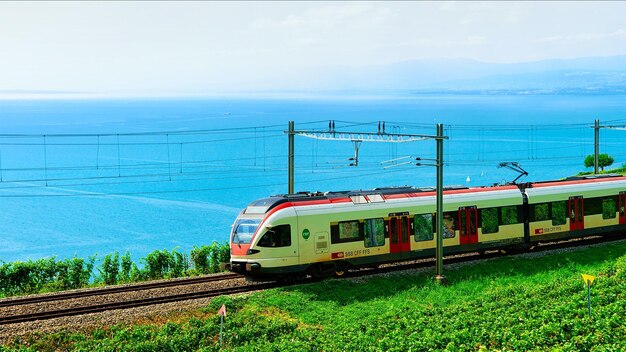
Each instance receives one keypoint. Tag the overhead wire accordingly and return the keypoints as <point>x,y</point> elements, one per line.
<point>250,133</point>
<point>96,194</point>
<point>232,174</point>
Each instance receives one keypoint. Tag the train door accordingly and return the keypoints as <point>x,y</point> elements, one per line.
<point>399,234</point>
<point>468,225</point>
<point>576,213</point>
<point>622,206</point>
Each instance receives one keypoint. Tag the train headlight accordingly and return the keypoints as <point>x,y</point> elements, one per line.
<point>252,251</point>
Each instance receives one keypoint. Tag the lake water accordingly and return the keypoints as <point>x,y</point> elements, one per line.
<point>141,175</point>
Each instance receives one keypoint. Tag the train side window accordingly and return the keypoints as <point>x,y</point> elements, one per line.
<point>592,206</point>
<point>405,229</point>
<point>423,227</point>
<point>449,224</point>
<point>559,213</point>
<point>510,215</point>
<point>540,212</point>
<point>374,232</point>
<point>393,230</point>
<point>609,208</point>
<point>279,236</point>
<point>489,220</point>
<point>346,231</point>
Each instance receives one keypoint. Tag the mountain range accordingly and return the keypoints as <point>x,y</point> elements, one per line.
<point>580,75</point>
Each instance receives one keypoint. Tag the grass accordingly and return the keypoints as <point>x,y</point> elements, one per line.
<point>509,304</point>
<point>620,170</point>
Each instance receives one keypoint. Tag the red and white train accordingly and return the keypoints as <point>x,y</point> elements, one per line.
<point>322,234</point>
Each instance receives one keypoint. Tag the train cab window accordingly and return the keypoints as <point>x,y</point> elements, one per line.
<point>489,220</point>
<point>244,229</point>
<point>540,212</point>
<point>510,215</point>
<point>279,236</point>
<point>559,213</point>
<point>609,208</point>
<point>374,232</point>
<point>423,226</point>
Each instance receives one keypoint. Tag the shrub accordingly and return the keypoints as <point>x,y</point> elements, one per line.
<point>110,269</point>
<point>125,274</point>
<point>49,274</point>
<point>200,259</point>
<point>179,264</point>
<point>207,259</point>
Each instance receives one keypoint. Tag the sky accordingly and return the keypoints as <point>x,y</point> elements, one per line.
<point>181,47</point>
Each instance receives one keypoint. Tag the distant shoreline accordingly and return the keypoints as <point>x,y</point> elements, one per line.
<point>48,95</point>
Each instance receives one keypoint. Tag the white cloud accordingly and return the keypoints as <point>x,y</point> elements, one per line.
<point>619,33</point>
<point>554,38</point>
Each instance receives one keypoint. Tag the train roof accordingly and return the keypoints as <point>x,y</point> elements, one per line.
<point>574,180</point>
<point>262,206</point>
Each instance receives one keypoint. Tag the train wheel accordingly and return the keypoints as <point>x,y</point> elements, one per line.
<point>341,269</point>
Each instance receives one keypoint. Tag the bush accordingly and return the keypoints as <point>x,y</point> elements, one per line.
<point>44,275</point>
<point>207,259</point>
<point>200,259</point>
<point>157,264</point>
<point>110,269</point>
<point>126,266</point>
<point>79,272</point>
<point>49,274</point>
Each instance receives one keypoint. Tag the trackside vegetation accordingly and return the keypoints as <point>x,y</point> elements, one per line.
<point>619,170</point>
<point>50,274</point>
<point>531,302</point>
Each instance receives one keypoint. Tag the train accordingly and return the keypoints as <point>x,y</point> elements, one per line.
<point>326,234</point>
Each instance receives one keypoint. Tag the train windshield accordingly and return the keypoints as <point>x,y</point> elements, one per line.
<point>244,229</point>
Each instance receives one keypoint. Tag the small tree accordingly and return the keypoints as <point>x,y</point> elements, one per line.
<point>603,161</point>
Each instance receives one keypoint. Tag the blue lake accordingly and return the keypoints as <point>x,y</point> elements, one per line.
<point>118,175</point>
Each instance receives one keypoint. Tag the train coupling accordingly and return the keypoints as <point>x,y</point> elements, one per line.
<point>253,267</point>
<point>243,267</point>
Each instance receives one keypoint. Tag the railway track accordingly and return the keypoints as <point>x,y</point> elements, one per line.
<point>50,314</point>
<point>117,289</point>
<point>134,303</point>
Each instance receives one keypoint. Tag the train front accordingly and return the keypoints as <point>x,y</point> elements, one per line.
<point>260,240</point>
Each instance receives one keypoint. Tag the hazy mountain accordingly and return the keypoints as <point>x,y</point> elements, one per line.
<point>582,74</point>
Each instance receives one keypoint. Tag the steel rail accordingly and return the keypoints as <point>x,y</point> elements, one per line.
<point>117,289</point>
<point>67,312</point>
